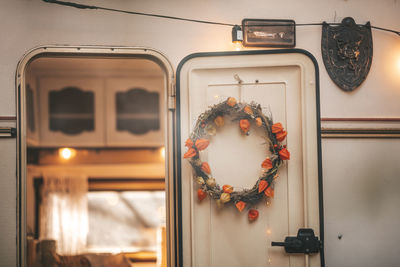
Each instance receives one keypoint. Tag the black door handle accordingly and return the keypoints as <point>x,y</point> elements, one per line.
<point>305,242</point>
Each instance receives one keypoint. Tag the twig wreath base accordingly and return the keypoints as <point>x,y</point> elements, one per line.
<point>246,115</point>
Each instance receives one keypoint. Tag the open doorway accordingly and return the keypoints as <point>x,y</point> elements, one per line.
<point>96,182</point>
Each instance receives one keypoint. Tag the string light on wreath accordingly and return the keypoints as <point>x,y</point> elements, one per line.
<point>247,116</point>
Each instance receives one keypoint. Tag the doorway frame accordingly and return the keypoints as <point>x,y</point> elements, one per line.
<point>169,118</point>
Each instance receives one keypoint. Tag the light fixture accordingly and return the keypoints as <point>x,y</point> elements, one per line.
<point>269,33</point>
<point>66,153</point>
<point>237,37</point>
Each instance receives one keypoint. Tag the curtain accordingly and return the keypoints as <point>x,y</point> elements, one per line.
<point>64,212</point>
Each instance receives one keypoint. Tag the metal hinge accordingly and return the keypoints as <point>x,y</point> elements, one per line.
<point>305,242</point>
<point>8,132</point>
<point>172,95</point>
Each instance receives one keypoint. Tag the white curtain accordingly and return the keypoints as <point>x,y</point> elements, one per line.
<point>64,212</point>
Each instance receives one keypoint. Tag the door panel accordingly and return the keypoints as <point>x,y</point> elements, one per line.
<point>284,84</point>
<point>151,85</point>
<point>90,88</point>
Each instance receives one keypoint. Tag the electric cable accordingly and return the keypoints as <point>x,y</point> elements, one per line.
<point>83,6</point>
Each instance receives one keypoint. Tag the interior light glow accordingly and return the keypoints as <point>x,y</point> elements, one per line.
<point>238,46</point>
<point>162,152</point>
<point>66,153</point>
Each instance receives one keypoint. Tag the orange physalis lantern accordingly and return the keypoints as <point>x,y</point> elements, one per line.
<point>269,192</point>
<point>190,153</point>
<point>225,197</point>
<point>231,102</point>
<point>202,144</point>
<point>262,185</point>
<point>201,194</point>
<point>258,122</point>
<point>248,110</point>
<point>219,121</point>
<point>244,125</point>
<point>277,127</point>
<point>267,164</point>
<point>281,136</point>
<point>205,167</point>
<point>253,215</point>
<point>240,205</point>
<point>227,189</point>
<point>188,143</point>
<point>284,154</point>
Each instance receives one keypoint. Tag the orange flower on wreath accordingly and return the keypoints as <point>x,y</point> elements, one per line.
<point>258,122</point>
<point>201,194</point>
<point>284,154</point>
<point>244,126</point>
<point>269,192</point>
<point>227,189</point>
<point>281,136</point>
<point>262,185</point>
<point>189,143</point>
<point>240,205</point>
<point>190,153</point>
<point>253,215</point>
<point>277,127</point>
<point>231,101</point>
<point>205,167</point>
<point>267,164</point>
<point>248,110</point>
<point>202,144</point>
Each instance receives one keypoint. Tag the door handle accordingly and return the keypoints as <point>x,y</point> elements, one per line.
<point>305,242</point>
<point>8,132</point>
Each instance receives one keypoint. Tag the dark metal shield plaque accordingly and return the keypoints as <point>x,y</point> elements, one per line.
<point>347,52</point>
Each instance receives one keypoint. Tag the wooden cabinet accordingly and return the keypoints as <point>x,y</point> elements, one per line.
<point>135,111</point>
<point>98,112</point>
<point>71,112</point>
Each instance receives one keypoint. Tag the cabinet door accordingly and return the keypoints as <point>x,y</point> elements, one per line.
<point>135,111</point>
<point>71,111</point>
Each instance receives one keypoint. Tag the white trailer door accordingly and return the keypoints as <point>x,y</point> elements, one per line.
<point>285,82</point>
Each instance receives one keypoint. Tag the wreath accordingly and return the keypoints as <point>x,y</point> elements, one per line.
<point>245,114</point>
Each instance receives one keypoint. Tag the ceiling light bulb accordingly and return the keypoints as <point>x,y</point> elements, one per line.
<point>66,153</point>
<point>237,37</point>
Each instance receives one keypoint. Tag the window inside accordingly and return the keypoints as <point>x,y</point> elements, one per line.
<point>127,221</point>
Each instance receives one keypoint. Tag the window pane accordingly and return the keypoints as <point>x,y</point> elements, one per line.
<point>125,221</point>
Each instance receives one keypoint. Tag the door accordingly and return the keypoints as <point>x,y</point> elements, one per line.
<point>285,84</point>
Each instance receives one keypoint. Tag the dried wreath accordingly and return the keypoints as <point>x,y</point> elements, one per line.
<point>206,126</point>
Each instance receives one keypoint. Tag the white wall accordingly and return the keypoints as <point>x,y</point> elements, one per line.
<point>25,24</point>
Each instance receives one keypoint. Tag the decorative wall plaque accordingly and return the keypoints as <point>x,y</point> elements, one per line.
<point>347,52</point>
